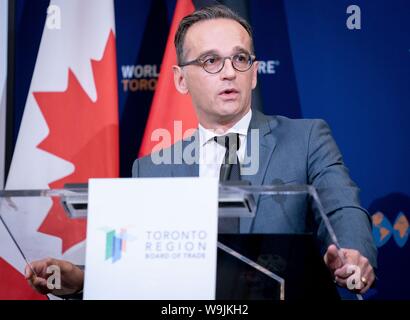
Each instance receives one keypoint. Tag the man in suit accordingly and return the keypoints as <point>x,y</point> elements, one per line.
<point>217,68</point>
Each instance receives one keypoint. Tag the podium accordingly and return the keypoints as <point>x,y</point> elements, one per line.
<point>281,266</point>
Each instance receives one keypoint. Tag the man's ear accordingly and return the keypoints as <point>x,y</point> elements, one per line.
<point>179,80</point>
<point>255,74</point>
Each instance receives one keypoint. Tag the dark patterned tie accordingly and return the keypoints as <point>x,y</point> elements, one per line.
<point>230,171</point>
<point>230,168</point>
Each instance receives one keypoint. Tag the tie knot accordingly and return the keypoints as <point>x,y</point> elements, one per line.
<point>230,141</point>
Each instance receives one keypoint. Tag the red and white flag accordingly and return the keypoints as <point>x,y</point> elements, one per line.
<point>69,133</point>
<point>168,105</point>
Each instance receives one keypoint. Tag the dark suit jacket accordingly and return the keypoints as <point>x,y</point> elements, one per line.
<point>292,152</point>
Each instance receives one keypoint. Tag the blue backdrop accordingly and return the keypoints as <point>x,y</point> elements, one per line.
<point>313,66</point>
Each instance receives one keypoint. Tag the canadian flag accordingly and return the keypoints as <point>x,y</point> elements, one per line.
<point>69,133</point>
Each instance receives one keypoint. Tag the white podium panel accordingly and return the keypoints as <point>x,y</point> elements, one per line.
<point>151,239</point>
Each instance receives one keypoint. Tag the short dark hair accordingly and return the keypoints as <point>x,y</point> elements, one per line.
<point>206,13</point>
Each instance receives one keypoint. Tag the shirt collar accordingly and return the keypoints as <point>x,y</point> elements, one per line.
<point>241,127</point>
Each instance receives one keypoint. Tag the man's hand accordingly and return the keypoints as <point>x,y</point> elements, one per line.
<point>71,276</point>
<point>344,265</point>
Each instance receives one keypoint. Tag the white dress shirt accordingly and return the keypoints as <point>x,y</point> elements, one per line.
<point>211,154</point>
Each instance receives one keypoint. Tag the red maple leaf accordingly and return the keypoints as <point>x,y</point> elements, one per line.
<point>84,133</point>
<point>19,288</point>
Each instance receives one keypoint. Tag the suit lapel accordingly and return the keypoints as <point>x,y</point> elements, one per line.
<point>264,149</point>
<point>190,163</point>
<point>264,127</point>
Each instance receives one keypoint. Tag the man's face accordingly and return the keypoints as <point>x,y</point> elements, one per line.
<point>225,97</point>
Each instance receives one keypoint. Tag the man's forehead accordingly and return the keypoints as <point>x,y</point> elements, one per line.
<point>216,34</point>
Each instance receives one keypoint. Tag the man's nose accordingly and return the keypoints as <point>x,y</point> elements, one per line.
<point>228,72</point>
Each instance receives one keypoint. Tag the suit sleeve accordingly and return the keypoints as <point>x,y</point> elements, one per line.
<point>339,195</point>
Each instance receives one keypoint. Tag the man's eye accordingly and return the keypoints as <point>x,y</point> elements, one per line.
<point>241,57</point>
<point>211,60</point>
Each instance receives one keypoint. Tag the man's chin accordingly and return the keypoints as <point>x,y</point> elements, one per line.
<point>228,115</point>
<point>229,109</point>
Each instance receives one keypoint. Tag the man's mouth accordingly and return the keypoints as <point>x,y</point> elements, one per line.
<point>229,94</point>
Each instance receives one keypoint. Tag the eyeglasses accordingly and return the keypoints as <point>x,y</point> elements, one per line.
<point>213,63</point>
